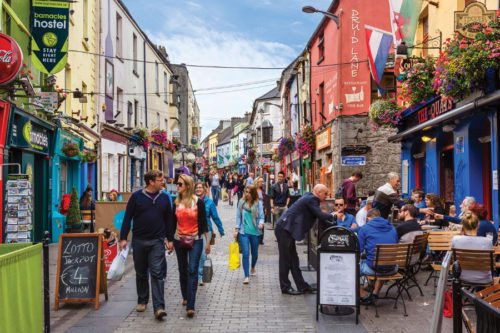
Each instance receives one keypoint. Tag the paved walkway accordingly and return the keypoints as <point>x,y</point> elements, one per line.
<point>226,305</point>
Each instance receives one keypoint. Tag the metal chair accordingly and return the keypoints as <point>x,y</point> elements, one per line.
<point>390,255</point>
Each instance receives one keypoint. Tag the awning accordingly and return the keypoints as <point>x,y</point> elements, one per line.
<point>453,114</point>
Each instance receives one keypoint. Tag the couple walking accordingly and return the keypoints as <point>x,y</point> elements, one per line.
<point>181,225</point>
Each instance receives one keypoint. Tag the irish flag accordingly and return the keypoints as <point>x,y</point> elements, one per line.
<point>379,43</point>
<point>404,19</point>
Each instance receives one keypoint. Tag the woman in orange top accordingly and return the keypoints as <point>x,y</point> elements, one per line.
<point>191,225</point>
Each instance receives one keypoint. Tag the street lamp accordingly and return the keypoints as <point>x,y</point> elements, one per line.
<point>311,10</point>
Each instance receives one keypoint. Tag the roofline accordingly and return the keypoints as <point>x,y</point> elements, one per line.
<point>323,21</point>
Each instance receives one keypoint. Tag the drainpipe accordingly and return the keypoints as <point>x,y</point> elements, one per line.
<point>145,86</point>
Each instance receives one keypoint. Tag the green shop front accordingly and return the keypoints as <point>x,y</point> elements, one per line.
<point>26,177</point>
<point>66,175</point>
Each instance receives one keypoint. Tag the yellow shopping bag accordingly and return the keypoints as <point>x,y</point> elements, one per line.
<point>234,255</point>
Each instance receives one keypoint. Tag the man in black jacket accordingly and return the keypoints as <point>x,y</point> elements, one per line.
<point>280,197</point>
<point>293,226</point>
<point>153,230</point>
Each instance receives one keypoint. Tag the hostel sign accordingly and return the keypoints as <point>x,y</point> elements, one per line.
<point>49,28</point>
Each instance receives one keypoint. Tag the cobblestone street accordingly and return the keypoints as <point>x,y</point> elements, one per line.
<point>226,305</point>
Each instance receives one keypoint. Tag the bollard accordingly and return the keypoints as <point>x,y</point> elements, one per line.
<point>457,299</point>
<point>46,285</point>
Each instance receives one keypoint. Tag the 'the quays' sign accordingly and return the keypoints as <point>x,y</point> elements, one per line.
<point>11,59</point>
<point>49,28</point>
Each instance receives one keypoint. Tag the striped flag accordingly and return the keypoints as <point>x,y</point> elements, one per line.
<point>379,43</point>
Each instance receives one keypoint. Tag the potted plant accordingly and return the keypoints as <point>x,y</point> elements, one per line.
<point>417,83</point>
<point>73,217</point>
<point>385,112</point>
<point>463,65</point>
<point>70,149</point>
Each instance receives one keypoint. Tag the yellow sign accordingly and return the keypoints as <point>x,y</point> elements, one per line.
<point>323,139</point>
<point>469,22</point>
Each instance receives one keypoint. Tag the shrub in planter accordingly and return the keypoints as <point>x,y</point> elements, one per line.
<point>73,218</point>
<point>385,112</point>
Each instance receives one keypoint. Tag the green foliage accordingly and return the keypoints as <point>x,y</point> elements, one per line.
<point>73,218</point>
<point>385,112</point>
<point>417,85</point>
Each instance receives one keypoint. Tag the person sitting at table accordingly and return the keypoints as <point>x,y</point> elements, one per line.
<point>376,231</point>
<point>417,196</point>
<point>434,206</point>
<point>410,227</point>
<point>113,195</point>
<point>363,211</point>
<point>343,219</point>
<point>86,200</point>
<point>469,241</point>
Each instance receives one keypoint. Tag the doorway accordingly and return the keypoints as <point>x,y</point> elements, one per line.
<point>446,170</point>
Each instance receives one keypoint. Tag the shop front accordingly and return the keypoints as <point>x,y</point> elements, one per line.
<point>66,175</point>
<point>114,160</point>
<point>452,150</point>
<point>323,159</point>
<point>26,174</point>
<point>89,159</point>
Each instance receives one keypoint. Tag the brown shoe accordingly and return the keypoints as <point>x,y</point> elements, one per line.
<point>160,313</point>
<point>140,307</point>
<point>190,313</point>
<point>184,302</point>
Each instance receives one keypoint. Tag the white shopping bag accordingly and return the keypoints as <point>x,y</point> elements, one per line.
<point>118,265</point>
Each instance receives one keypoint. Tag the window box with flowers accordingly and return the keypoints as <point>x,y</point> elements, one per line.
<point>465,64</point>
<point>286,147</point>
<point>70,149</point>
<point>385,113</point>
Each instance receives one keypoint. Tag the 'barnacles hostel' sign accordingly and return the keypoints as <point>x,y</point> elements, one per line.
<point>49,28</point>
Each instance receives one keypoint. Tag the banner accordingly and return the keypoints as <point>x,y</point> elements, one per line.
<point>49,28</point>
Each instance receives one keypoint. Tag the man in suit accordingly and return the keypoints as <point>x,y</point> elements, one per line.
<point>280,197</point>
<point>293,226</point>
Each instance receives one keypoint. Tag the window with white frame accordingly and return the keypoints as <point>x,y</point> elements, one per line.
<point>118,35</point>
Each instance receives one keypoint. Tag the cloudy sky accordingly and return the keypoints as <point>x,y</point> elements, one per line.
<point>256,33</point>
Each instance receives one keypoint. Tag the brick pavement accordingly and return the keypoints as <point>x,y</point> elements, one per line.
<point>226,305</point>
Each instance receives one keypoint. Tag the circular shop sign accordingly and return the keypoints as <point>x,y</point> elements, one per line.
<point>11,59</point>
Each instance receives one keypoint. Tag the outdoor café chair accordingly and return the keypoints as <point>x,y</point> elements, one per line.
<point>475,260</point>
<point>391,255</point>
<point>439,242</point>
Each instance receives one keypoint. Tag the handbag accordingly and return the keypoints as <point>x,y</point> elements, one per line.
<point>186,242</point>
<point>212,239</point>
<point>208,270</point>
<point>234,255</point>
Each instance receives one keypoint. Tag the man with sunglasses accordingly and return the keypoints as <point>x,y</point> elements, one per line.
<point>343,218</point>
<point>153,229</point>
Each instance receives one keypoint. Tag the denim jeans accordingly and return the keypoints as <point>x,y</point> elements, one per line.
<point>215,194</point>
<point>248,242</point>
<point>149,259</point>
<point>203,257</point>
<point>188,261</point>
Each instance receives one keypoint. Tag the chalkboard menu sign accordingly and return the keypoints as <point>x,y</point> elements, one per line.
<point>80,269</point>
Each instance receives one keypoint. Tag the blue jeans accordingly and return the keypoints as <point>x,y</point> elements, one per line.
<point>203,257</point>
<point>188,261</point>
<point>149,259</point>
<point>215,194</point>
<point>247,242</point>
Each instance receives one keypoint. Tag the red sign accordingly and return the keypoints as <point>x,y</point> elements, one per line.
<point>435,109</point>
<point>110,253</point>
<point>11,59</point>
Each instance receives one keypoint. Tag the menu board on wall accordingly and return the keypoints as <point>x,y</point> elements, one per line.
<point>18,217</point>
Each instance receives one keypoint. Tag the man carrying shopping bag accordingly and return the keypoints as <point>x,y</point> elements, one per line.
<point>153,230</point>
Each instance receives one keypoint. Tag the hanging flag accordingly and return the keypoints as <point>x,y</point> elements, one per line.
<point>49,30</point>
<point>378,43</point>
<point>404,16</point>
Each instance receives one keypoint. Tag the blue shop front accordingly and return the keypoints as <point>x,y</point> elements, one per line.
<point>66,175</point>
<point>451,149</point>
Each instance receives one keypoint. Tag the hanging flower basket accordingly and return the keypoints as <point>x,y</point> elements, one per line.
<point>417,84</point>
<point>89,156</point>
<point>70,149</point>
<point>286,147</point>
<point>305,141</point>
<point>462,66</point>
<point>159,136</point>
<point>385,112</point>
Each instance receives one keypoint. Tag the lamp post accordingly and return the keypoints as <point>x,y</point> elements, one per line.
<point>311,10</point>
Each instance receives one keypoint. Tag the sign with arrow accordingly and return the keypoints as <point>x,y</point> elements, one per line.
<point>49,30</point>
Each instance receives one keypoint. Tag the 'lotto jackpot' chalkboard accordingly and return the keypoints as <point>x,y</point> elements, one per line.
<point>80,269</point>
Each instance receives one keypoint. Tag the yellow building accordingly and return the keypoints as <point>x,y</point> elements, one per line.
<point>437,19</point>
<point>212,147</point>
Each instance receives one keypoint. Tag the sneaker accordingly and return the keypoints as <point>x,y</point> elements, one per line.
<point>246,281</point>
<point>160,313</point>
<point>253,272</point>
<point>190,313</point>
<point>140,307</point>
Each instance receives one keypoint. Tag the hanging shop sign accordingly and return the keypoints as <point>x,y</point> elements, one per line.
<point>11,59</point>
<point>49,30</point>
<point>469,22</point>
<point>47,101</point>
<point>26,134</point>
<point>323,139</point>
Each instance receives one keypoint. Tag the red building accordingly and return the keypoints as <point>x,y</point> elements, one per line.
<point>342,88</point>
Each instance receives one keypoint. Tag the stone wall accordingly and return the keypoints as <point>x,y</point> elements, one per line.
<point>381,159</point>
